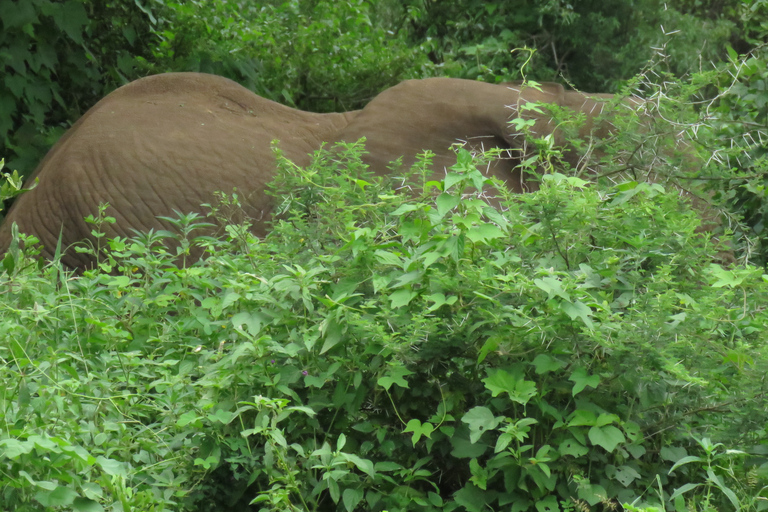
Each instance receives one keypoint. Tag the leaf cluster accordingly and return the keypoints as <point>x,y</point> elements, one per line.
<point>382,349</point>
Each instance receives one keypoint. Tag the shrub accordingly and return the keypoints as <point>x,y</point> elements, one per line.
<point>382,350</point>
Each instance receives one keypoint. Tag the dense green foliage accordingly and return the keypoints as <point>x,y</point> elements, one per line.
<point>56,60</point>
<point>586,348</point>
<point>380,351</point>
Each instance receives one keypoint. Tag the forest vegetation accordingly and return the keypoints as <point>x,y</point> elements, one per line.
<point>592,346</point>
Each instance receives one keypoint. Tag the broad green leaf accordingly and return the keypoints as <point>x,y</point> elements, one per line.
<point>86,505</point>
<point>446,202</point>
<point>401,298</point>
<point>479,420</point>
<point>724,277</point>
<point>251,321</point>
<point>591,493</point>
<point>112,467</point>
<point>608,437</point>
<point>581,380</point>
<point>405,208</point>
<point>12,448</point>
<point>58,497</point>
<point>573,448</point>
<point>439,300</point>
<point>484,233</point>
<point>544,363</point>
<point>364,465</point>
<point>606,419</point>
<point>472,498</point>
<point>221,416</point>
<point>625,475</point>
<point>578,310</point>
<point>548,504</point>
<point>419,429</point>
<point>552,286</point>
<point>519,390</point>
<point>395,376</point>
<point>388,258</point>
<point>351,497</point>
<point>581,417</point>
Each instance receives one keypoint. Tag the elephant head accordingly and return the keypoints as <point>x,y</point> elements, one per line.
<point>168,142</point>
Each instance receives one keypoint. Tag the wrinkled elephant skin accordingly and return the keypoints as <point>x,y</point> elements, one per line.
<point>168,142</point>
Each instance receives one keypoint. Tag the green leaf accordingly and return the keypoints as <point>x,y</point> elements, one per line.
<point>552,286</point>
<point>548,504</point>
<point>419,429</point>
<point>439,300</point>
<point>578,310</point>
<point>58,497</point>
<point>519,390</point>
<point>472,498</point>
<point>86,505</point>
<point>573,448</point>
<point>405,208</point>
<point>592,493</point>
<point>388,258</point>
<point>625,475</point>
<point>250,320</point>
<point>683,489</point>
<point>401,298</point>
<point>581,380</point>
<point>12,448</point>
<point>395,376</point>
<point>484,233</point>
<point>351,497</point>
<point>608,437</point>
<point>446,202</point>
<point>479,420</point>
<point>112,467</point>
<point>364,465</point>
<point>545,364</point>
<point>685,460</point>
<point>724,277</point>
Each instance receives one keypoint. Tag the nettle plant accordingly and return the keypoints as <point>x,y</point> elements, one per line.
<point>393,350</point>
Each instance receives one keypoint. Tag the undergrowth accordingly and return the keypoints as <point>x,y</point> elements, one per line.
<point>578,349</point>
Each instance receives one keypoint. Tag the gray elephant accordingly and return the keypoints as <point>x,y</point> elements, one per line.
<point>168,142</point>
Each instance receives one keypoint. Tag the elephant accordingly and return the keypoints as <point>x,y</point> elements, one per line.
<point>168,142</point>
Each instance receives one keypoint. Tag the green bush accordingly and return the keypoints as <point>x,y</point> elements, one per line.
<point>58,58</point>
<point>382,350</point>
<point>320,56</point>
